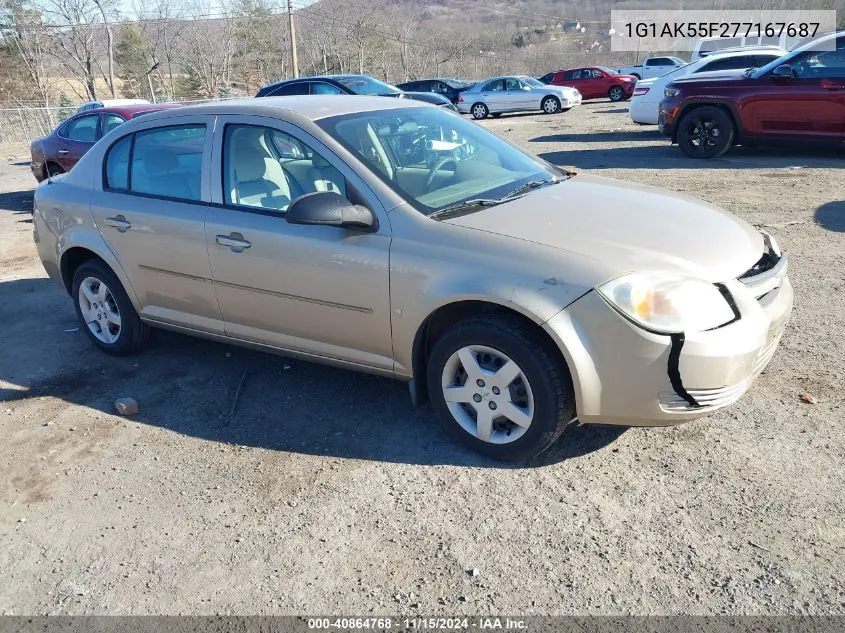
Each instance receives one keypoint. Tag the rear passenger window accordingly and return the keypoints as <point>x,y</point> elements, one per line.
<point>82,129</point>
<point>117,165</point>
<point>269,169</point>
<point>167,162</point>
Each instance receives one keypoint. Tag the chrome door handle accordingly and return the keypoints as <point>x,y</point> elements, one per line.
<point>235,241</point>
<point>119,222</point>
<point>63,151</point>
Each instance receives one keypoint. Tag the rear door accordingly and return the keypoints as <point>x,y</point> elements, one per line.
<point>318,290</point>
<point>493,94</point>
<point>75,138</point>
<point>150,206</point>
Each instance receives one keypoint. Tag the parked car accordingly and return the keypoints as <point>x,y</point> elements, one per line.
<point>797,97</point>
<point>109,103</point>
<point>594,82</point>
<point>515,94</point>
<point>449,88</point>
<point>652,67</point>
<point>347,85</point>
<point>648,93</point>
<point>396,238</point>
<point>60,150</point>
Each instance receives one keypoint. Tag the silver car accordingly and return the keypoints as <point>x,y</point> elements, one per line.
<point>393,237</point>
<point>515,94</point>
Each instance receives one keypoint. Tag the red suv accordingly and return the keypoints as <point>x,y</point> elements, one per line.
<point>62,148</point>
<point>594,82</point>
<point>797,97</point>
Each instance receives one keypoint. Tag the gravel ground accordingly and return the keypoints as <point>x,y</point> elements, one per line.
<point>325,491</point>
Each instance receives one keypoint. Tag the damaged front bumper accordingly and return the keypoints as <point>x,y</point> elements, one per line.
<point>623,374</point>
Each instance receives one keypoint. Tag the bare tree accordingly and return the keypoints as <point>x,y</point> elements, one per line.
<point>205,52</point>
<point>22,31</point>
<point>109,43</point>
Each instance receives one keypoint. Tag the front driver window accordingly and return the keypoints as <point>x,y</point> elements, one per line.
<point>821,65</point>
<point>512,84</point>
<point>268,169</point>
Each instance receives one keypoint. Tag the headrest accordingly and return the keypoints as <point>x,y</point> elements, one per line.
<point>249,164</point>
<point>158,161</point>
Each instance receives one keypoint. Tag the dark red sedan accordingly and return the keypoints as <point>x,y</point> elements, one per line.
<point>594,82</point>
<point>60,150</point>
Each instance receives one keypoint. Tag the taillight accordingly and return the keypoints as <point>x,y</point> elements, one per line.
<point>460,99</point>
<point>640,91</point>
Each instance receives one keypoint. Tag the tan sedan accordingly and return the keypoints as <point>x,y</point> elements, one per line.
<point>397,238</point>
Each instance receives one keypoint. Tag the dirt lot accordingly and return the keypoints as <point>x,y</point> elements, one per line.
<point>325,491</point>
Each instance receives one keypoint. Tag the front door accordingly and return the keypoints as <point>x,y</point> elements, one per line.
<point>493,94</point>
<point>516,98</point>
<point>811,104</point>
<point>151,211</point>
<point>319,290</point>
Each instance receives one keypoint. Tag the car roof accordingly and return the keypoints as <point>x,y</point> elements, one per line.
<point>128,110</point>
<point>313,107</point>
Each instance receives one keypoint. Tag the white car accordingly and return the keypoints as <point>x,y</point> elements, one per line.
<point>648,93</point>
<point>515,94</point>
<point>109,103</point>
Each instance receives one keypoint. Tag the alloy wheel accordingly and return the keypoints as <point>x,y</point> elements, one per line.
<point>705,134</point>
<point>99,310</point>
<point>488,394</point>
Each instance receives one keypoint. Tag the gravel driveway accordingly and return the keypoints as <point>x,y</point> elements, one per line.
<point>318,490</point>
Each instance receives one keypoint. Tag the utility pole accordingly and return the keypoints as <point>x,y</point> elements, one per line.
<point>293,59</point>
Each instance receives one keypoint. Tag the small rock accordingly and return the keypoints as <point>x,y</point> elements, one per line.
<point>473,572</point>
<point>292,503</point>
<point>22,520</point>
<point>462,598</point>
<point>808,398</point>
<point>126,406</point>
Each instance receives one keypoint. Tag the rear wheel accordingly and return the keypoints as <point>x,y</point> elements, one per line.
<point>496,387</point>
<point>479,111</point>
<point>550,105</point>
<point>705,132</point>
<point>107,314</point>
<point>616,93</point>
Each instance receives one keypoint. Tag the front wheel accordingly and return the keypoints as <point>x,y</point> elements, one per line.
<point>550,105</point>
<point>496,387</point>
<point>705,132</point>
<point>616,93</point>
<point>479,111</point>
<point>107,314</point>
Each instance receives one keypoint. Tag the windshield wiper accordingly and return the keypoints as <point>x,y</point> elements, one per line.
<point>528,186</point>
<point>462,208</point>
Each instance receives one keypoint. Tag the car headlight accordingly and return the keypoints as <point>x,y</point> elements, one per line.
<point>670,92</point>
<point>667,303</point>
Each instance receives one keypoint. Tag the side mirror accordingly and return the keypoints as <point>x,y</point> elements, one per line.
<point>784,71</point>
<point>330,209</point>
<point>526,88</point>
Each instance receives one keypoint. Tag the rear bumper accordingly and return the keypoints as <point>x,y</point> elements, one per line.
<point>643,111</point>
<point>623,374</point>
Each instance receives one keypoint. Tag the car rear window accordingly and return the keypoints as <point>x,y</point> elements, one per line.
<point>164,162</point>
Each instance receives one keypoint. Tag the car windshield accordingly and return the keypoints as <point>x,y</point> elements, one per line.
<point>435,159</point>
<point>368,86</point>
<point>609,71</point>
<point>534,83</point>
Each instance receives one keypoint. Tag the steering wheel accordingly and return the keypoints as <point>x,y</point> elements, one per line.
<point>437,167</point>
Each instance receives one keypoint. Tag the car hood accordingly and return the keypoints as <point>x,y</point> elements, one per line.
<point>627,227</point>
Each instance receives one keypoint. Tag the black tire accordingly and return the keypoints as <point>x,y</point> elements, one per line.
<point>705,132</point>
<point>547,376</point>
<point>52,169</point>
<point>636,75</point>
<point>479,111</point>
<point>550,102</point>
<point>616,93</point>
<point>134,333</point>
